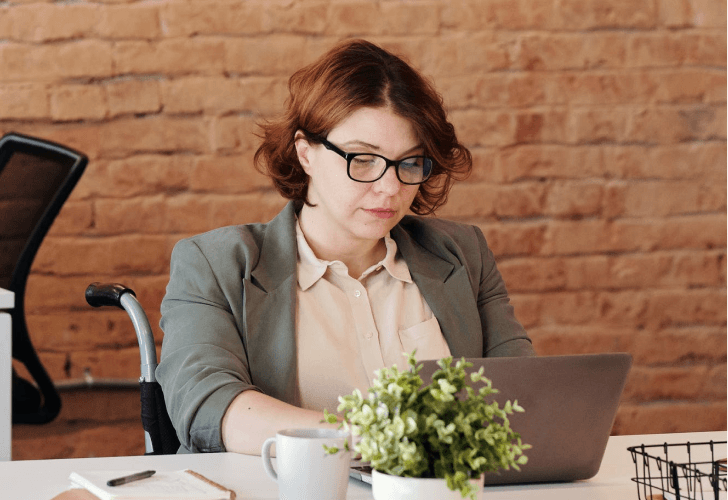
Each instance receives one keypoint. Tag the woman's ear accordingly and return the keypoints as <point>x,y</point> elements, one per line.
<point>303,150</point>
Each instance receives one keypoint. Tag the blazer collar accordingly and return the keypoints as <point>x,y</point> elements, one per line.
<point>277,260</point>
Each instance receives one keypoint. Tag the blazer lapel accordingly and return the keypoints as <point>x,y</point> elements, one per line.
<point>270,309</point>
<point>446,286</point>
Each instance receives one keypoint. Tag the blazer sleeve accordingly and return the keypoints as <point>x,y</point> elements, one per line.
<point>503,335</point>
<point>203,364</point>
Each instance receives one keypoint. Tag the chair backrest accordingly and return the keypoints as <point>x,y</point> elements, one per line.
<point>36,178</point>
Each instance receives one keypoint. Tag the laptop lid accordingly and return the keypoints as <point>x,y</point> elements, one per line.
<point>570,404</point>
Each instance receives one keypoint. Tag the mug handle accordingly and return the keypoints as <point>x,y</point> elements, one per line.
<point>265,454</point>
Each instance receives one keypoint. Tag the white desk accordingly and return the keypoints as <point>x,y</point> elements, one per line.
<point>44,479</point>
<point>7,301</point>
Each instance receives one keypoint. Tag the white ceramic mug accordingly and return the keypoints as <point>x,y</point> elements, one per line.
<point>305,470</point>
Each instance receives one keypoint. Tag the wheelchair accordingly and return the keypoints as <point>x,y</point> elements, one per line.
<point>160,437</point>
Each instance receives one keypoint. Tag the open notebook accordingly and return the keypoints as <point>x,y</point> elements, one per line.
<point>179,485</point>
<point>570,404</point>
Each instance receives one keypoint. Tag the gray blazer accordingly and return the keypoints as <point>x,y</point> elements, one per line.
<point>229,312</point>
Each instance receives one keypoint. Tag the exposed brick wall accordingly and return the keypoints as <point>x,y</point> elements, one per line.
<point>598,129</point>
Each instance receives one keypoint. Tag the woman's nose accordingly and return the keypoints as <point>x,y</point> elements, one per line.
<point>388,183</point>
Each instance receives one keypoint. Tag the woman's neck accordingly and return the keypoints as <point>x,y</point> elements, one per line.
<point>357,255</point>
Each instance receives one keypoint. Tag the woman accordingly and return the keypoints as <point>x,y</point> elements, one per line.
<point>267,324</point>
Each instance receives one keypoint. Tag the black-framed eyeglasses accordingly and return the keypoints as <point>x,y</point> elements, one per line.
<point>370,167</point>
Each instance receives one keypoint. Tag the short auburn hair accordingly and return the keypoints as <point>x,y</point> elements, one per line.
<point>352,75</point>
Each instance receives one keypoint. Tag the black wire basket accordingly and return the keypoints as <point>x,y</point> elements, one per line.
<point>681,471</point>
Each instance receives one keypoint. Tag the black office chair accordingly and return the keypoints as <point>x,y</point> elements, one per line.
<point>160,437</point>
<point>36,177</point>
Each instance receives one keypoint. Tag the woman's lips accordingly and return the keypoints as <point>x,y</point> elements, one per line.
<point>382,213</point>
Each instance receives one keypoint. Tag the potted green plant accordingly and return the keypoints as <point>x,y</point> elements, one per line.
<point>407,430</point>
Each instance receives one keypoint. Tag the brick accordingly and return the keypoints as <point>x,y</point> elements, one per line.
<point>470,200</point>
<point>184,19</point>
<point>624,14</point>
<point>528,309</point>
<point>483,164</point>
<point>75,217</point>
<point>483,128</point>
<point>235,133</point>
<point>81,330</point>
<point>675,13</point>
<point>139,21</point>
<point>707,13</point>
<point>176,56</point>
<point>133,96</point>
<point>24,102</point>
<point>577,237</point>
<point>574,198</point>
<point>352,18</point>
<point>556,340</point>
<point>603,50</point>
<point>669,383</point>
<point>49,294</point>
<point>545,161</point>
<point>705,48</point>
<point>41,22</point>
<point>671,161</point>
<point>691,86</point>
<point>227,174</point>
<point>692,231</point>
<point>137,175</point>
<point>623,308</point>
<point>603,88</point>
<point>78,102</point>
<point>78,440</point>
<point>528,89</point>
<point>120,254</point>
<point>277,55</point>
<point>154,134</point>
<point>484,91</point>
<point>209,94</point>
<point>203,213</point>
<point>140,215</point>
<point>568,308</point>
<point>598,124</point>
<point>73,59</point>
<point>664,417</point>
<point>310,18</point>
<point>409,19</point>
<point>653,198</point>
<point>656,49</point>
<point>119,363</point>
<point>549,51</point>
<point>81,136</point>
<point>679,345</point>
<point>523,199</point>
<point>511,238</point>
<point>687,307</point>
<point>674,124</point>
<point>644,270</point>
<point>527,274</point>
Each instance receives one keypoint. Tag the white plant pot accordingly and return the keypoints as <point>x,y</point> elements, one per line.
<point>386,487</point>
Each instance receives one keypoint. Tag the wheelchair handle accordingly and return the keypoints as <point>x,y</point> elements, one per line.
<point>117,295</point>
<point>106,294</point>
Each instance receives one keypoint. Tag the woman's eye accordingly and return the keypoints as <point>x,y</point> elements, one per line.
<point>364,161</point>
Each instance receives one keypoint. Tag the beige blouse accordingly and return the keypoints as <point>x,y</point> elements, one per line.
<point>347,328</point>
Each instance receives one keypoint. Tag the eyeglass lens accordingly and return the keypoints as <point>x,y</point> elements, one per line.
<point>368,168</point>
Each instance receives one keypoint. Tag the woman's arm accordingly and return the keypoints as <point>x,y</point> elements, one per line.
<point>253,417</point>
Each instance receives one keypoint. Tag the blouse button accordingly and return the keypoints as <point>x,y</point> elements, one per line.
<point>357,293</point>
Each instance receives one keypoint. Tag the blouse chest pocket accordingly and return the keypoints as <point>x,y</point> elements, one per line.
<point>426,338</point>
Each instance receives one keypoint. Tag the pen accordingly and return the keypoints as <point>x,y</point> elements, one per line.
<point>128,479</point>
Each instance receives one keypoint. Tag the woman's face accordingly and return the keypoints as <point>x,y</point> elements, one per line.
<point>354,210</point>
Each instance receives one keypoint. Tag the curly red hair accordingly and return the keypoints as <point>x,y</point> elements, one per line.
<point>356,74</point>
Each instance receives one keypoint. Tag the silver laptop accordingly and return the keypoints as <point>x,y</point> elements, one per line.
<point>570,404</point>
